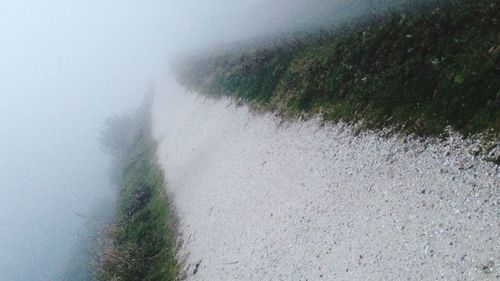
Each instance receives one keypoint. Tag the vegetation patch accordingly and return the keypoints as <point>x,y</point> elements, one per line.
<point>417,70</point>
<point>142,239</point>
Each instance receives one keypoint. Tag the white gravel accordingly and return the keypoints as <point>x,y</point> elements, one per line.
<point>260,199</point>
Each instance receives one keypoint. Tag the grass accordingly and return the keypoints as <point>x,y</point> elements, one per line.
<point>143,238</point>
<point>418,72</point>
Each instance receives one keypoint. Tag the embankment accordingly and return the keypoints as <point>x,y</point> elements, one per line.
<point>418,71</point>
<point>259,198</point>
<point>140,243</point>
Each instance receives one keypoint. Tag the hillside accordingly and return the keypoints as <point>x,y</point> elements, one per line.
<point>418,71</point>
<point>328,181</point>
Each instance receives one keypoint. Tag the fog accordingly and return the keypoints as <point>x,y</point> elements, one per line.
<point>67,65</point>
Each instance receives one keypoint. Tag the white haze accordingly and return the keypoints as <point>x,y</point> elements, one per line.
<point>67,65</point>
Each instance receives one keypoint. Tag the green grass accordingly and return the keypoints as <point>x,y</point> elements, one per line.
<point>143,240</point>
<point>418,72</point>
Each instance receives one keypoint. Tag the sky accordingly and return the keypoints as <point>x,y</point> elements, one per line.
<point>64,67</point>
<point>67,65</point>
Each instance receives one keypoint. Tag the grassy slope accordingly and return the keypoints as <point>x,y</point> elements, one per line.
<point>143,236</point>
<point>419,71</point>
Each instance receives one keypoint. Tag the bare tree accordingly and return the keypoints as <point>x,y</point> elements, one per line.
<point>118,133</point>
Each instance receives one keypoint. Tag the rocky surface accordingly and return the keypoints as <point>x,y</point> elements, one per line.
<point>263,199</point>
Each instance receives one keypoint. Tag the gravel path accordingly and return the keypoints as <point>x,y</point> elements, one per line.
<point>259,199</point>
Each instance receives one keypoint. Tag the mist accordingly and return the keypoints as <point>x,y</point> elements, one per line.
<point>65,66</point>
